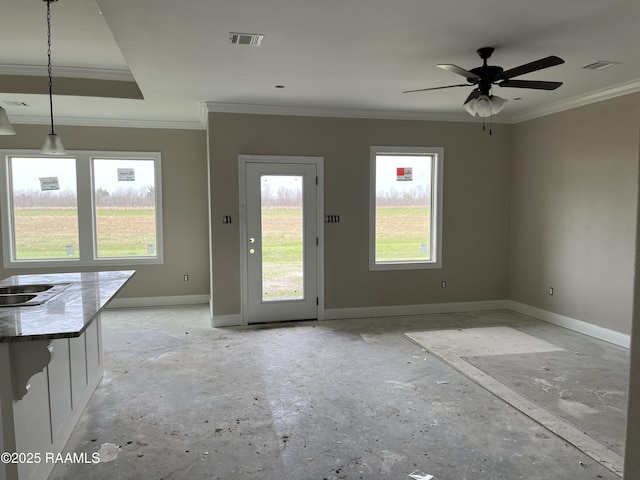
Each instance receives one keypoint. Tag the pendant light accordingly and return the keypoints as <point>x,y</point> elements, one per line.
<point>5,125</point>
<point>52,144</point>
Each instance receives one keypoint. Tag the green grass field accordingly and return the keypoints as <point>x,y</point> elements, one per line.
<point>402,234</point>
<point>45,233</point>
<point>282,262</point>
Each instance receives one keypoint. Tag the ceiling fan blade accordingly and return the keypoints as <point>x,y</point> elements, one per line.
<point>436,88</point>
<point>472,95</point>
<point>532,67</point>
<point>536,84</point>
<point>459,71</point>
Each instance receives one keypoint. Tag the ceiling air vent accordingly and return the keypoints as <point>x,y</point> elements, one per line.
<point>600,65</point>
<point>252,39</point>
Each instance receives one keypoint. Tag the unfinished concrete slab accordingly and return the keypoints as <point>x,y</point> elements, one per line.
<point>345,399</point>
<point>589,392</point>
<point>509,363</point>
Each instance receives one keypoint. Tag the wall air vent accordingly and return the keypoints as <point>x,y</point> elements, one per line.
<point>600,65</point>
<point>252,39</point>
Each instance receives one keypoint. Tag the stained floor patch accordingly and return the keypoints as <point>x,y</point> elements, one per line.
<point>493,347</point>
<point>480,341</point>
<point>587,391</point>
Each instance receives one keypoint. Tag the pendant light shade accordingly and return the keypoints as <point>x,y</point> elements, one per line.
<point>5,125</point>
<point>497,104</point>
<point>483,106</point>
<point>52,144</point>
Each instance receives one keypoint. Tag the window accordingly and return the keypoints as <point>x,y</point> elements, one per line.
<point>84,208</point>
<point>405,208</point>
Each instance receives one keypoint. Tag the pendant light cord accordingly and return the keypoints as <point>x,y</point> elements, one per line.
<point>49,62</point>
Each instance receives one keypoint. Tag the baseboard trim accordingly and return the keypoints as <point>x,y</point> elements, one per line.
<point>135,302</point>
<point>601,333</point>
<point>404,310</point>
<point>233,320</point>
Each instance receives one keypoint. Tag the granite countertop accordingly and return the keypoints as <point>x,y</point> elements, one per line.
<point>65,315</point>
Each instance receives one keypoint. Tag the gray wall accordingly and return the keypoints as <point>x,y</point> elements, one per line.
<point>476,199</point>
<point>185,206</point>
<point>573,211</point>
<point>571,206</point>
<point>632,442</point>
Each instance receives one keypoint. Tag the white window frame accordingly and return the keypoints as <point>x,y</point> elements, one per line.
<point>437,153</point>
<point>86,208</point>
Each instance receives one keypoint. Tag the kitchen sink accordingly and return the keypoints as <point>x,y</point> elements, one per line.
<point>16,299</point>
<point>28,295</point>
<point>13,289</point>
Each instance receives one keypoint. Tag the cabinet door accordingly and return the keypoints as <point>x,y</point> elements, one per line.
<point>59,384</point>
<point>94,357</point>
<point>78,353</point>
<point>32,422</point>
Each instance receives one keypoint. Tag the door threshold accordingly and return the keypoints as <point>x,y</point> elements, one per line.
<point>275,324</point>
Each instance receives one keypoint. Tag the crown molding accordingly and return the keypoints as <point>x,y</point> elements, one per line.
<point>106,122</point>
<point>579,101</point>
<point>574,102</point>
<point>244,108</point>
<point>241,108</point>
<point>68,72</point>
<point>204,115</point>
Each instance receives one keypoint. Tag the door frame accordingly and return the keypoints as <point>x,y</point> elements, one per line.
<point>244,243</point>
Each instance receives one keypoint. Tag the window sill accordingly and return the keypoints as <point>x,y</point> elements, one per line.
<point>405,266</point>
<point>111,262</point>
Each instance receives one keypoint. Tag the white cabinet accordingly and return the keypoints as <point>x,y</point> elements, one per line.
<point>59,385</point>
<point>41,421</point>
<point>77,351</point>
<point>56,349</point>
<point>94,354</point>
<point>33,422</point>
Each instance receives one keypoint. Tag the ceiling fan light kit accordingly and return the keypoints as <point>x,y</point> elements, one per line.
<point>52,143</point>
<point>484,106</point>
<point>480,102</point>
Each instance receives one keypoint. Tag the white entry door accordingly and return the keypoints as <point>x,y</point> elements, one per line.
<point>281,245</point>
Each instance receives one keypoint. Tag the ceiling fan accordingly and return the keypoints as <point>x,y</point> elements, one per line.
<point>480,102</point>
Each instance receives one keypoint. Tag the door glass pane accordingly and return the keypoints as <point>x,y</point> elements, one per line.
<point>45,211</point>
<point>282,237</point>
<point>125,214</point>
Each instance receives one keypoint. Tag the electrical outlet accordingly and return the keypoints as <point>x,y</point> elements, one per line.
<point>443,284</point>
<point>550,290</point>
<point>185,278</point>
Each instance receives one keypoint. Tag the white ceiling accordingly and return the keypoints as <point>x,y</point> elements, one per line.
<point>334,56</point>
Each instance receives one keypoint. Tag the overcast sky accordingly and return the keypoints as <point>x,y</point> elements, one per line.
<point>26,173</point>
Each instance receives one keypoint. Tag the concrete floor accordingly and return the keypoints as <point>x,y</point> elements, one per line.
<point>342,399</point>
